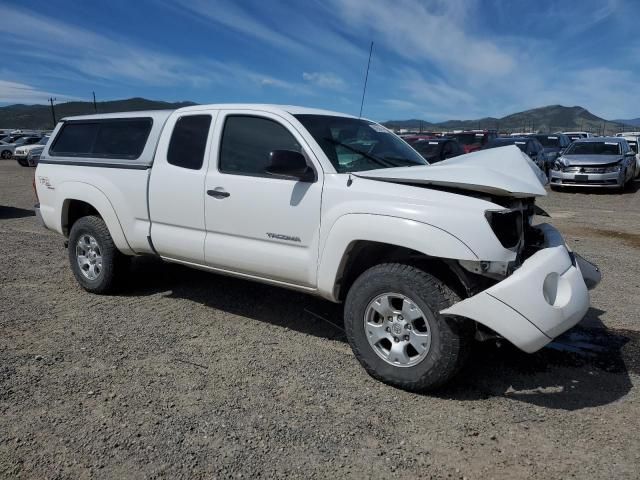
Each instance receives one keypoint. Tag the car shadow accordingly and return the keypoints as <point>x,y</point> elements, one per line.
<point>277,306</point>
<point>7,212</point>
<point>587,366</point>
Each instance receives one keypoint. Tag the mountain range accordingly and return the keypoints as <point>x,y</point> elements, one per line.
<point>545,119</point>
<point>550,118</point>
<point>39,116</point>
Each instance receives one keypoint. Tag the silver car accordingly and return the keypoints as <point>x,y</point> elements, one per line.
<point>594,162</point>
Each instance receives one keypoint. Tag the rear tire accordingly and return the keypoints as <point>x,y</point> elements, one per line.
<point>393,359</point>
<point>95,261</point>
<point>6,154</point>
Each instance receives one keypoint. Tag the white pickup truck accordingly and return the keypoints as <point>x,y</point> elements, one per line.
<point>425,257</point>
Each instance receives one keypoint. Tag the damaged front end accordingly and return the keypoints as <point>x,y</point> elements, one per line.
<point>537,296</point>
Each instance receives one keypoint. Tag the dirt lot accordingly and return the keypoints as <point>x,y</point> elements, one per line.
<point>193,375</point>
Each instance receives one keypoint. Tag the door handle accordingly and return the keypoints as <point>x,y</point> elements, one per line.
<point>218,193</point>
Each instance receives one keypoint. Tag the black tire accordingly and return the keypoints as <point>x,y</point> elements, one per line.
<point>6,154</point>
<point>23,163</point>
<point>450,337</point>
<point>114,263</point>
<point>623,186</point>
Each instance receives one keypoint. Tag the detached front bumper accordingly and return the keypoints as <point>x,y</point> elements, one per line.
<point>574,179</point>
<point>545,297</point>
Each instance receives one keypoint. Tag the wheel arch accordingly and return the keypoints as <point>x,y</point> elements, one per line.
<point>358,242</point>
<point>78,199</point>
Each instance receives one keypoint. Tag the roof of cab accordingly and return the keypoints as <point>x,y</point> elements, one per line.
<point>154,114</point>
<point>163,114</point>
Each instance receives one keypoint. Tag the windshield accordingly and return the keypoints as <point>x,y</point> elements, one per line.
<point>43,141</point>
<point>548,140</point>
<point>468,138</point>
<point>428,148</point>
<point>503,142</point>
<point>354,145</point>
<point>593,148</point>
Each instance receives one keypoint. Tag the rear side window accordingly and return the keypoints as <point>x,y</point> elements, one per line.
<point>189,141</point>
<point>111,138</point>
<point>247,142</point>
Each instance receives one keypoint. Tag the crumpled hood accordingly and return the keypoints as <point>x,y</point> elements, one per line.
<point>590,159</point>
<point>503,171</point>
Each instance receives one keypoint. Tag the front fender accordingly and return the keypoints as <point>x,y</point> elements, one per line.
<point>401,232</point>
<point>55,216</point>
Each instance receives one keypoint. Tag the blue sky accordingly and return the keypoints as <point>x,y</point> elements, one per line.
<point>433,59</point>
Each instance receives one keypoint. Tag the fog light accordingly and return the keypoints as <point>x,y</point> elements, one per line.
<point>556,290</point>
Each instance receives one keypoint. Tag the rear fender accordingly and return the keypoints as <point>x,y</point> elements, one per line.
<point>68,191</point>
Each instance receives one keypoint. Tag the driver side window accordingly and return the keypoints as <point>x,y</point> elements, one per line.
<point>247,142</point>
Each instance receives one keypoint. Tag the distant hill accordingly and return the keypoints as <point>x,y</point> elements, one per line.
<point>632,121</point>
<point>39,116</point>
<point>551,118</point>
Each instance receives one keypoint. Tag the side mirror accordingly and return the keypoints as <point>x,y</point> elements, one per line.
<point>291,165</point>
<point>630,153</point>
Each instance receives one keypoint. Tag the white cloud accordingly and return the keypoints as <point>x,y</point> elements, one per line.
<point>78,53</point>
<point>431,31</point>
<point>324,80</point>
<point>15,92</point>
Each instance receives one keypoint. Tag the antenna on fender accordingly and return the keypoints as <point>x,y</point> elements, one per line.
<point>366,77</point>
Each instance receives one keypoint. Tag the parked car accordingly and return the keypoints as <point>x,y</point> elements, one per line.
<point>474,140</point>
<point>424,257</point>
<point>595,162</point>
<point>553,145</point>
<point>437,149</point>
<point>7,149</point>
<point>21,154</point>
<point>529,145</point>
<point>411,139</point>
<point>633,141</point>
<point>577,135</point>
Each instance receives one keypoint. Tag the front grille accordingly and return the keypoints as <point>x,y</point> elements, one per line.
<point>589,169</point>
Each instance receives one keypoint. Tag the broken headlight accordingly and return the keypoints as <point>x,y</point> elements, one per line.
<point>507,225</point>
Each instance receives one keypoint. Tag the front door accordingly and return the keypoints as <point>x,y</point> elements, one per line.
<point>258,224</point>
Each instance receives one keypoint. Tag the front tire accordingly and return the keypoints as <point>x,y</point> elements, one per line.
<point>95,261</point>
<point>23,163</point>
<point>395,329</point>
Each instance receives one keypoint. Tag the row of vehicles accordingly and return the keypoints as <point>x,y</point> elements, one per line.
<point>24,146</point>
<point>567,158</point>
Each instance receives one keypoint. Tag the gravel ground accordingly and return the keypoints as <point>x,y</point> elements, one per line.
<point>193,375</point>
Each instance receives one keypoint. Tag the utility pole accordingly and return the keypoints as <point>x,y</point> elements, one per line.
<point>95,107</point>
<point>53,111</point>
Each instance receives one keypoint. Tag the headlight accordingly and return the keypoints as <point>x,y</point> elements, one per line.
<point>613,168</point>
<point>507,225</point>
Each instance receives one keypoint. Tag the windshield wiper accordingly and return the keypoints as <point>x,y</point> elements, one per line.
<point>405,160</point>
<point>379,161</point>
